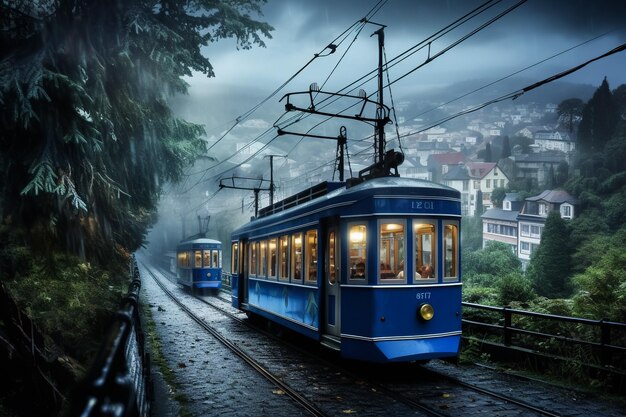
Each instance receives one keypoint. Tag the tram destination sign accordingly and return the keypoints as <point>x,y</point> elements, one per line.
<point>417,205</point>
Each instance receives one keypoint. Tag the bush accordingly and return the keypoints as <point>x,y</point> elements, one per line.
<point>71,301</point>
<point>480,295</point>
<point>514,287</point>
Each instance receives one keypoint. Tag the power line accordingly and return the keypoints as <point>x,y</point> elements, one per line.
<point>520,92</point>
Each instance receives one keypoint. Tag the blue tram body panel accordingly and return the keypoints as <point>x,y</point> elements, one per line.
<point>383,324</point>
<point>373,319</point>
<point>199,263</point>
<point>294,306</point>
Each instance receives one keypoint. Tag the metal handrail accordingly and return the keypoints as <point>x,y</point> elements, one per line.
<point>118,382</point>
<point>605,345</point>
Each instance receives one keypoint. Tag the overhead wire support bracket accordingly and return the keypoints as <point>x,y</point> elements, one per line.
<point>383,117</point>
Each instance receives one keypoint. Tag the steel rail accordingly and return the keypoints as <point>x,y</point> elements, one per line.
<point>299,399</point>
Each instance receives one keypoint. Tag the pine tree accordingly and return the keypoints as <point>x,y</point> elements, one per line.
<point>488,155</point>
<point>506,148</point>
<point>550,264</point>
<point>599,119</point>
<point>88,137</point>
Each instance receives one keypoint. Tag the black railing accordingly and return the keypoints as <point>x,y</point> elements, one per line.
<point>598,342</point>
<point>118,383</point>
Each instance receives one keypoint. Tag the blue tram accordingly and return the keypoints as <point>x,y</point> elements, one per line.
<point>199,263</point>
<point>372,269</point>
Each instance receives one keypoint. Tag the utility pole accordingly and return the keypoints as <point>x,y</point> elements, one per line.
<point>272,176</point>
<point>255,189</point>
<point>379,142</point>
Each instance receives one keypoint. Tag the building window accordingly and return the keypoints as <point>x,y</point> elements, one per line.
<point>465,185</point>
<point>535,231</point>
<point>524,247</point>
<point>488,185</point>
<point>566,211</point>
<point>525,230</point>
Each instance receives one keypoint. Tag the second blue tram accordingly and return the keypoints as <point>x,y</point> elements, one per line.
<point>372,270</point>
<point>199,263</point>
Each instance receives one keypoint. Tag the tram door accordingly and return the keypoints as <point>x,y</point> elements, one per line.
<point>332,304</point>
<point>242,290</point>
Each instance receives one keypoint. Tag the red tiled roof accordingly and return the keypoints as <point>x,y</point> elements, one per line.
<point>451,158</point>
<point>480,169</point>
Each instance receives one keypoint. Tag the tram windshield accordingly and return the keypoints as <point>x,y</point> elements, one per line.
<point>392,250</point>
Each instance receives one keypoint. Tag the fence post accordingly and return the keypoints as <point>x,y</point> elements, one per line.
<point>605,339</point>
<point>507,325</point>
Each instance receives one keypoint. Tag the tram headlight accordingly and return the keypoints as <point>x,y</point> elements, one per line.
<point>208,275</point>
<point>426,312</point>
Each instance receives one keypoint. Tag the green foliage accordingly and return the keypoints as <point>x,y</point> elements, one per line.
<point>569,111</point>
<point>515,287</point>
<point>601,289</point>
<point>480,295</point>
<point>71,301</point>
<point>496,259</point>
<point>497,196</point>
<point>88,137</point>
<point>550,264</point>
<point>599,119</point>
<point>472,236</point>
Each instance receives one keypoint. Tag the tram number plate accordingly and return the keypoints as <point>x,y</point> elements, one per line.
<point>422,296</point>
<point>422,205</point>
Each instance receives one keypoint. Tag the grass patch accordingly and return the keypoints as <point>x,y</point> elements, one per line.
<point>158,359</point>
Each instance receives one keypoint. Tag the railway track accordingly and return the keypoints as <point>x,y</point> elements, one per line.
<point>410,385</point>
<point>301,401</point>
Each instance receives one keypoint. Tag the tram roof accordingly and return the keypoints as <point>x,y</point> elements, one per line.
<point>200,241</point>
<point>365,189</point>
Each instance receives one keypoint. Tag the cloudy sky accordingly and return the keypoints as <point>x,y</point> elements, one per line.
<point>532,32</point>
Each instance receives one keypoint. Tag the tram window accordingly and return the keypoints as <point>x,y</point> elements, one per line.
<point>219,258</point>
<point>254,250</point>
<point>424,246</point>
<point>206,261</point>
<point>450,248</point>
<point>311,255</point>
<point>391,250</point>
<point>234,258</point>
<point>332,272</point>
<point>197,259</point>
<point>273,257</point>
<point>216,259</point>
<point>283,253</point>
<point>182,259</point>
<point>296,256</point>
<point>358,251</point>
<point>263,259</point>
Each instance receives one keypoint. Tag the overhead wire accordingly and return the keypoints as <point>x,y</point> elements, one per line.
<point>513,74</point>
<point>342,37</point>
<point>516,94</point>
